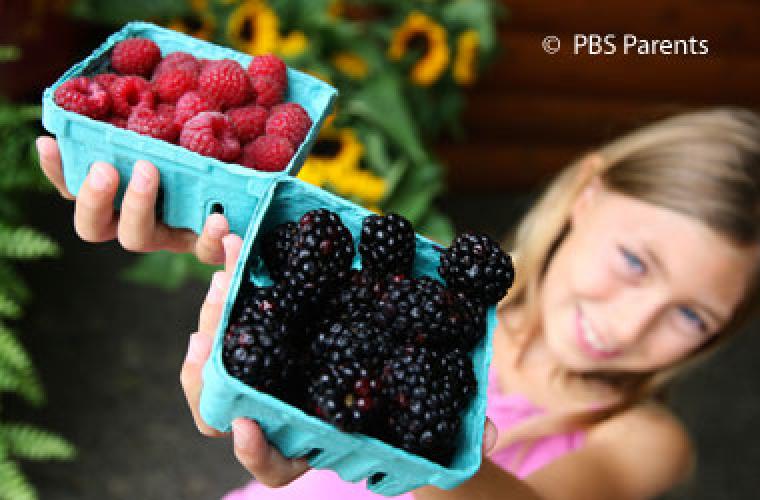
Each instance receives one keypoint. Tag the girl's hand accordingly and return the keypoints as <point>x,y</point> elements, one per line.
<point>135,226</point>
<point>251,447</point>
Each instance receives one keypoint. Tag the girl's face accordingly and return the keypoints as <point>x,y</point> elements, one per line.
<point>635,287</point>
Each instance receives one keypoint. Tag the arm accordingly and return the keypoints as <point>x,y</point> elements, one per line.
<point>634,456</point>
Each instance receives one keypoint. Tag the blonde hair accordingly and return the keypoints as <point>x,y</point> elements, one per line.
<point>703,164</point>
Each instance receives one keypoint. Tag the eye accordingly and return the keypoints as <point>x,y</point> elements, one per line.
<point>633,262</point>
<point>693,318</point>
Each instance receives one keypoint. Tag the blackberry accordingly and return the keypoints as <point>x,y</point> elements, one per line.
<point>275,248</point>
<point>339,342</point>
<point>423,312</point>
<point>356,299</point>
<point>258,347</point>
<point>427,389</point>
<point>282,302</point>
<point>321,255</point>
<point>476,265</point>
<point>387,245</point>
<point>349,396</point>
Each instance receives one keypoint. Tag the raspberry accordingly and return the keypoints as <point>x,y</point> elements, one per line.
<point>271,66</point>
<point>135,56</point>
<point>178,60</point>
<point>226,82</point>
<point>192,103</point>
<point>210,133</point>
<point>476,265</point>
<point>129,92</point>
<point>387,245</point>
<point>291,122</point>
<point>268,91</point>
<point>172,83</point>
<point>84,96</point>
<point>105,80</point>
<point>118,121</point>
<point>249,121</point>
<point>158,123</point>
<point>268,153</point>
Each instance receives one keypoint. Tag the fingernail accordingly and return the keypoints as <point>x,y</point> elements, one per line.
<point>241,434</point>
<point>141,180</point>
<point>226,242</point>
<point>197,349</point>
<point>216,226</point>
<point>215,291</point>
<point>37,145</point>
<point>99,179</point>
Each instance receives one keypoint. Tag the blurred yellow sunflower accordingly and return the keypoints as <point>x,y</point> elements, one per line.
<point>466,61</point>
<point>418,28</point>
<point>253,27</point>
<point>351,65</point>
<point>335,161</point>
<point>293,44</point>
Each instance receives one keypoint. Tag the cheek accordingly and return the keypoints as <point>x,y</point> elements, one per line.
<point>666,347</point>
<point>591,276</point>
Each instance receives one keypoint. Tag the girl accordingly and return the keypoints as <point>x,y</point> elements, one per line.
<point>636,264</point>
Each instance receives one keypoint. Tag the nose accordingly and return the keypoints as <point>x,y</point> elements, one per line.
<point>633,317</point>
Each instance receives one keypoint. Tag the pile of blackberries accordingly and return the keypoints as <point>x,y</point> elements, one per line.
<point>375,350</point>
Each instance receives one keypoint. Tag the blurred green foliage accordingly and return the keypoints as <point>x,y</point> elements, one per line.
<point>19,173</point>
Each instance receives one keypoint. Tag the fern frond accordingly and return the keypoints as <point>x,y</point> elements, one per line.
<point>13,484</point>
<point>24,383</point>
<point>33,443</point>
<point>9,308</point>
<point>12,284</point>
<point>11,350</point>
<point>25,243</point>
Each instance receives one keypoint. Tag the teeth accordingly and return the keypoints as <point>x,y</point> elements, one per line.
<point>591,337</point>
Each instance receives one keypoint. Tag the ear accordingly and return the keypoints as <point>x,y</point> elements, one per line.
<point>590,192</point>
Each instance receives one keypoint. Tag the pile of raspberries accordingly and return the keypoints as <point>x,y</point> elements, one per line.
<point>216,108</point>
<point>376,350</point>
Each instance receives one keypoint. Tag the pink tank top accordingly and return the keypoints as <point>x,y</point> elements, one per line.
<point>504,410</point>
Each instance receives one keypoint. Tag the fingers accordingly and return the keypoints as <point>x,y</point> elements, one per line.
<point>232,244</point>
<point>50,162</point>
<point>490,436</point>
<point>260,458</point>
<point>211,310</point>
<point>209,247</point>
<point>94,218</point>
<point>191,378</point>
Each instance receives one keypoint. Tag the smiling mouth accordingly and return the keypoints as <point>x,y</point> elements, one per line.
<point>589,341</point>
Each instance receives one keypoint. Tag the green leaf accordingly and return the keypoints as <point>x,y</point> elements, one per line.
<point>11,115</point>
<point>106,11</point>
<point>9,307</point>
<point>23,383</point>
<point>9,53</point>
<point>33,443</point>
<point>167,270</point>
<point>25,243</point>
<point>11,283</point>
<point>11,351</point>
<point>381,103</point>
<point>437,227</point>
<point>415,192</point>
<point>13,484</point>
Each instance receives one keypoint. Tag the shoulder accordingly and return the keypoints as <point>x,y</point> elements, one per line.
<point>640,453</point>
<point>649,444</point>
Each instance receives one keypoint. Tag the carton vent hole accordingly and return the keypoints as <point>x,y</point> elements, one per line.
<point>217,208</point>
<point>312,453</point>
<point>376,478</point>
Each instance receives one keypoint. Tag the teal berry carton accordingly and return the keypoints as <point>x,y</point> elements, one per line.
<point>192,185</point>
<point>389,471</point>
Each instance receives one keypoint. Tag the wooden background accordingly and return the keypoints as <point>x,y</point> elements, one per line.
<point>532,112</point>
